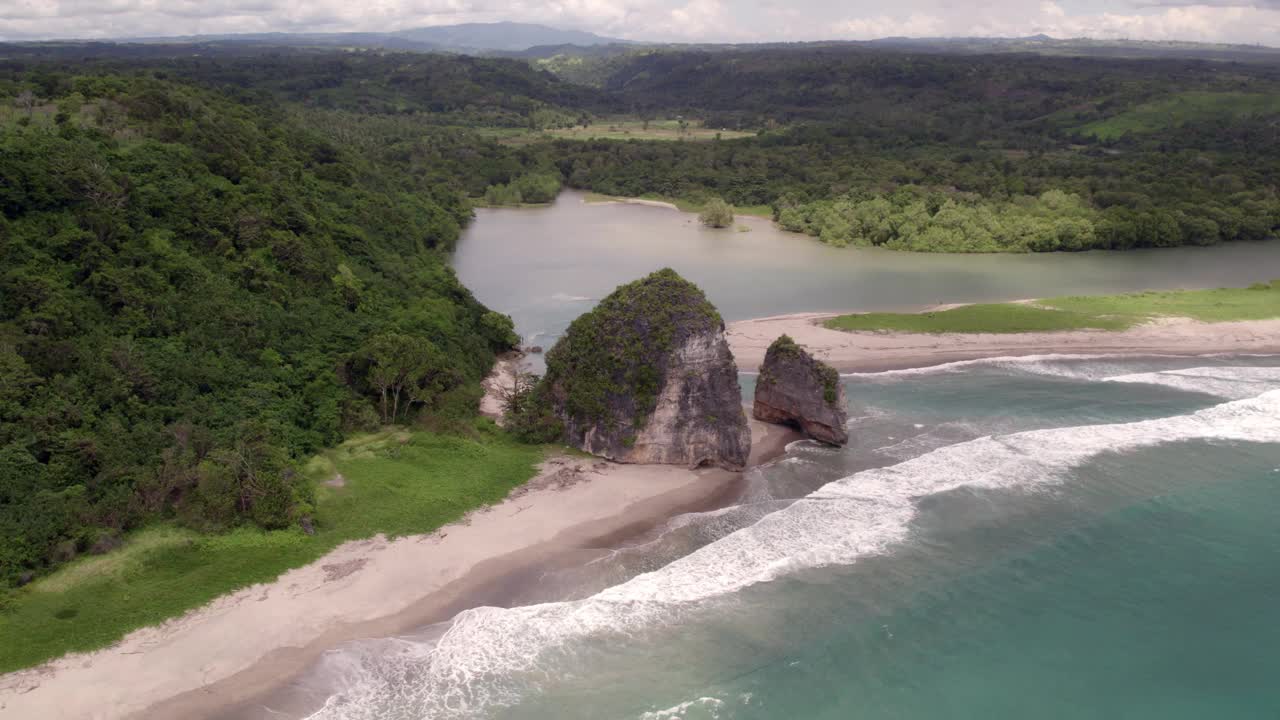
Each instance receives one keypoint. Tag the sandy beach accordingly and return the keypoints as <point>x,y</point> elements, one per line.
<point>243,645</point>
<point>602,200</point>
<point>876,351</point>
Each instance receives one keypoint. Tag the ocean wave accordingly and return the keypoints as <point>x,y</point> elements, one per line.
<point>564,297</point>
<point>1233,383</point>
<point>1028,363</point>
<point>492,657</point>
<point>703,707</point>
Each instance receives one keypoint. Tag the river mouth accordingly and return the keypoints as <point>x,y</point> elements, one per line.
<point>545,266</point>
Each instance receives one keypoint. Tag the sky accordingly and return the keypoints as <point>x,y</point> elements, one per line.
<point>1235,21</point>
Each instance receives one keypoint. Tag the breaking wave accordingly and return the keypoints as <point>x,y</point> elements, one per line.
<point>1233,383</point>
<point>492,657</point>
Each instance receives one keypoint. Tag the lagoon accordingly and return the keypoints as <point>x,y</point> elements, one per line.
<point>545,266</point>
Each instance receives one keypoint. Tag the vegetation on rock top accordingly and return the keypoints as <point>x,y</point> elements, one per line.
<point>611,361</point>
<point>786,348</point>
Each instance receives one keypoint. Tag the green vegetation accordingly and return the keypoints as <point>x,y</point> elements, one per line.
<point>1183,108</point>
<point>1101,312</point>
<point>786,348</point>
<point>195,293</point>
<point>608,366</point>
<point>1260,301</point>
<point>533,189</point>
<point>989,318</point>
<point>995,153</point>
<point>716,214</point>
<point>914,219</point>
<point>395,481</point>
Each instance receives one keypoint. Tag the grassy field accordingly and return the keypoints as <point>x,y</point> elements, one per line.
<point>396,482</point>
<point>690,206</point>
<point>1099,312</point>
<point>629,129</point>
<point>1180,109</point>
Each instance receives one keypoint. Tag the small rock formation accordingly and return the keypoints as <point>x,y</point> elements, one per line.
<point>647,377</point>
<point>798,390</point>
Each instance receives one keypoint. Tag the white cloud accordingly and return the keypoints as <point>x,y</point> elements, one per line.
<point>880,26</point>
<point>1052,9</point>
<point>682,20</point>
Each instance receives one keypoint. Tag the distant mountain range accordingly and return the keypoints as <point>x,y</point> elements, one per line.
<point>540,42</point>
<point>466,37</point>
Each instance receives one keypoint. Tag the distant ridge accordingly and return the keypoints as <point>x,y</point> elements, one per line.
<point>531,41</point>
<point>465,37</point>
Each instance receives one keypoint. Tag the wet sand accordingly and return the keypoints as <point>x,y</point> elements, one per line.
<point>873,351</point>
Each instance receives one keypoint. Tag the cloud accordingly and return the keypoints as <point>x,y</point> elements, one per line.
<point>881,26</point>
<point>676,20</point>
<point>1263,4</point>
<point>1013,18</point>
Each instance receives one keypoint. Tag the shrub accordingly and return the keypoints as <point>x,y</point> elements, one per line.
<point>716,214</point>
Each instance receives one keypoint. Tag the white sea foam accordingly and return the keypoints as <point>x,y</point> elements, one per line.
<point>1233,383</point>
<point>565,297</point>
<point>1020,362</point>
<point>494,657</point>
<point>703,707</point>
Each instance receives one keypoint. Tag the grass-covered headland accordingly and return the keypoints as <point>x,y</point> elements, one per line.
<point>1089,312</point>
<point>395,481</point>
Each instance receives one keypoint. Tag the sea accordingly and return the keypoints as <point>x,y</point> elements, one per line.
<point>1045,537</point>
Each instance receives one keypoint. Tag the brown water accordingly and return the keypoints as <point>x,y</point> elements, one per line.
<point>546,266</point>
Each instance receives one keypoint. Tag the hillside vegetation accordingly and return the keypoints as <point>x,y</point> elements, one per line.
<point>1184,108</point>
<point>195,293</point>
<point>910,150</point>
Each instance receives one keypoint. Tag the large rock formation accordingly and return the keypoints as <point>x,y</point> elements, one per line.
<point>798,390</point>
<point>647,377</point>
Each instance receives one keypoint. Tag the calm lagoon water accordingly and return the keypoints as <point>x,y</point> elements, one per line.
<point>1043,537</point>
<point>546,266</point>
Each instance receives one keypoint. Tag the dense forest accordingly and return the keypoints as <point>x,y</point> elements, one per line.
<point>196,293</point>
<point>213,264</point>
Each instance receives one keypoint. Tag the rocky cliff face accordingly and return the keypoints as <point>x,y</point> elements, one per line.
<point>798,390</point>
<point>647,377</point>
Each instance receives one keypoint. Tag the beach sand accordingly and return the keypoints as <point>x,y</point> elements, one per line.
<point>871,351</point>
<point>245,644</point>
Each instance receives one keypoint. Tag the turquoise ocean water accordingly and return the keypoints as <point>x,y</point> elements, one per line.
<point>1032,538</point>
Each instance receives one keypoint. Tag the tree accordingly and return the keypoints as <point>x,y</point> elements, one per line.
<point>716,214</point>
<point>515,397</point>
<point>26,100</point>
<point>405,369</point>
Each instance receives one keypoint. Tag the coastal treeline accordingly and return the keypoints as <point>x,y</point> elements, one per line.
<point>195,294</point>
<point>1153,152</point>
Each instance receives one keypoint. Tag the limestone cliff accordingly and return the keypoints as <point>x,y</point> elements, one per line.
<point>796,389</point>
<point>647,377</point>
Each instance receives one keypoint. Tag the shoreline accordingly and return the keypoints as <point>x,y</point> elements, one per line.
<point>218,660</point>
<point>879,351</point>
<point>590,197</point>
